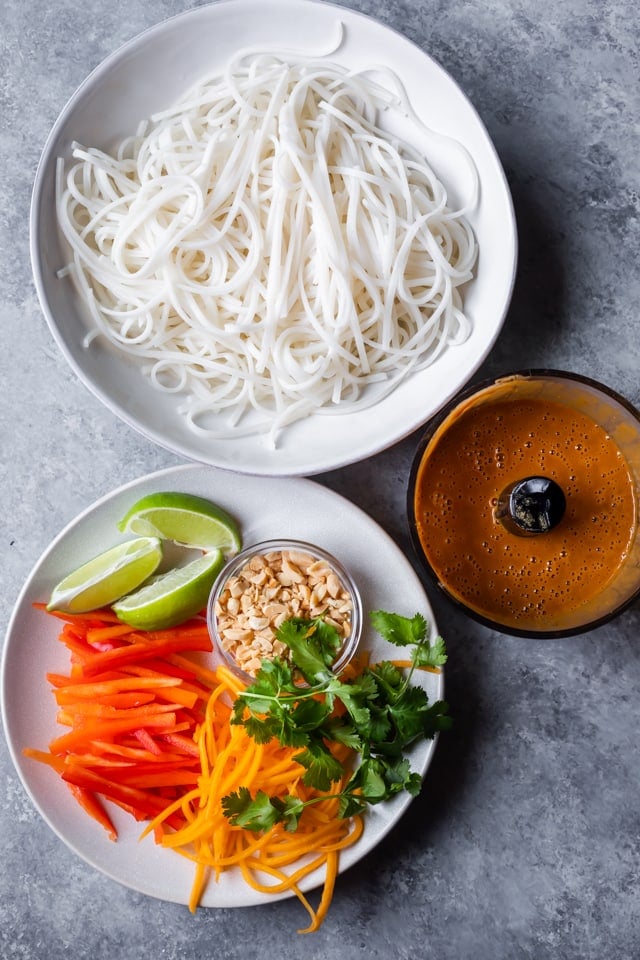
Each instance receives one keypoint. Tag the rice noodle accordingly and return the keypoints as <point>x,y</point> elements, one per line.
<point>266,249</point>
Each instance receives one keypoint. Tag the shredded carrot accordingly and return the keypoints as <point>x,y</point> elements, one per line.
<point>231,759</point>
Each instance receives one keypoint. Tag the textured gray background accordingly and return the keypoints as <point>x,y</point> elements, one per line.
<point>526,840</point>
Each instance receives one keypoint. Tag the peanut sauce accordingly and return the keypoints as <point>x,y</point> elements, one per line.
<point>532,582</point>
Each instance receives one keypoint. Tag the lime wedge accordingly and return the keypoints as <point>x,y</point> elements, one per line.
<point>173,597</point>
<point>184,518</point>
<point>107,577</point>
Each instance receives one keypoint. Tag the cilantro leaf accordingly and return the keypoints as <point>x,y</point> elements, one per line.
<point>261,812</point>
<point>436,719</point>
<point>411,631</point>
<point>263,729</point>
<point>313,645</point>
<point>376,714</point>
<point>340,730</point>
<point>371,780</point>
<point>355,698</point>
<point>322,768</point>
<point>351,804</point>
<point>380,726</point>
<point>273,677</point>
<point>377,780</point>
<point>407,712</point>
<point>399,630</point>
<point>388,676</point>
<point>431,654</point>
<point>309,714</point>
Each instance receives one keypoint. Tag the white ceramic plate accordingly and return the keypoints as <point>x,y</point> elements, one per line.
<point>266,508</point>
<point>151,72</point>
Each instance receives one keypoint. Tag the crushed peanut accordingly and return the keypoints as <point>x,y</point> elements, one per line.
<point>272,588</point>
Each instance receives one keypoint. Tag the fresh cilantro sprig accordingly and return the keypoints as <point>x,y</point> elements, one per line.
<point>381,713</point>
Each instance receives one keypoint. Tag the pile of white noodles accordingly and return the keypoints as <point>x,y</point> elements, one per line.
<point>266,250</point>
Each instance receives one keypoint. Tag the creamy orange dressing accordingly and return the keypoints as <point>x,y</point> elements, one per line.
<point>528,582</point>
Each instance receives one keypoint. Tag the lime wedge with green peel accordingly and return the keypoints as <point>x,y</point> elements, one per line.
<point>173,597</point>
<point>184,518</point>
<point>107,577</point>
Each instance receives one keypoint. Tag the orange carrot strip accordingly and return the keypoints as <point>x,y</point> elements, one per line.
<point>193,630</point>
<point>165,761</point>
<point>59,680</point>
<point>185,698</point>
<point>164,778</point>
<point>198,887</point>
<point>147,741</point>
<point>125,700</point>
<point>90,803</point>
<point>77,646</point>
<point>178,727</point>
<point>126,769</point>
<point>134,754</point>
<point>85,708</point>
<point>50,759</point>
<point>209,677</point>
<point>140,651</point>
<point>185,744</point>
<point>287,880</point>
<point>159,667</point>
<point>163,668</point>
<point>106,704</point>
<point>224,675</point>
<point>118,683</point>
<point>95,635</point>
<point>145,804</point>
<point>327,894</point>
<point>105,730</point>
<point>97,759</point>
<point>196,627</point>
<point>99,689</point>
<point>250,879</point>
<point>105,614</point>
<point>64,719</point>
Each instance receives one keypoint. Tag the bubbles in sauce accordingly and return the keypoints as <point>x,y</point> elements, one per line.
<point>528,582</point>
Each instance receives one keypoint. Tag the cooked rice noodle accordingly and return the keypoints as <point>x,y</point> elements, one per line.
<point>266,249</point>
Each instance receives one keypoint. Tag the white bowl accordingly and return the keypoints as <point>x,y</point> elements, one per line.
<point>151,72</point>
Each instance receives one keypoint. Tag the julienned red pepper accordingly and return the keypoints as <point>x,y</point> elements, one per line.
<point>130,713</point>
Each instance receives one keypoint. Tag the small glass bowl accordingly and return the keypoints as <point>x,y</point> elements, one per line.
<point>277,547</point>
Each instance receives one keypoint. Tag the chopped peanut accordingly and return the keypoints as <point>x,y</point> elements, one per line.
<point>270,589</point>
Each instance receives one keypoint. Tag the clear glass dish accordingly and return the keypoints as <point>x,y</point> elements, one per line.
<point>260,602</point>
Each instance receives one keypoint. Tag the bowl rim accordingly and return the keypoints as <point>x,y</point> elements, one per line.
<point>351,643</point>
<point>470,390</point>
